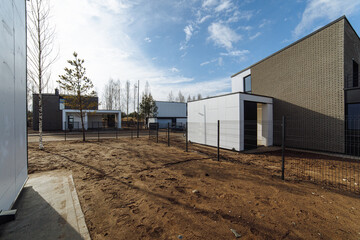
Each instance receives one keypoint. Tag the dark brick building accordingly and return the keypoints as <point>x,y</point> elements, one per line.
<point>314,83</point>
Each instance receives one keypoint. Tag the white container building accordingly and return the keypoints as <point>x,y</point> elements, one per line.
<point>13,141</point>
<point>245,121</point>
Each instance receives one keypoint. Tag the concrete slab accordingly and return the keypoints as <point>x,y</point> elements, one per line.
<point>48,208</point>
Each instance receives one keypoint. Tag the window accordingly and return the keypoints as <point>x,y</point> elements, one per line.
<point>355,74</point>
<point>247,84</point>
<point>353,116</point>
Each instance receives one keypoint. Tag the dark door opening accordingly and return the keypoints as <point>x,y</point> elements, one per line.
<point>353,129</point>
<point>250,125</point>
<point>111,121</point>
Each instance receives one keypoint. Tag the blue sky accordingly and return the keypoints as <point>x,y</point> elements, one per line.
<point>193,45</point>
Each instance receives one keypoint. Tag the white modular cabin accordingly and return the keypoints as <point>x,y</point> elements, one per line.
<point>246,121</point>
<point>13,140</point>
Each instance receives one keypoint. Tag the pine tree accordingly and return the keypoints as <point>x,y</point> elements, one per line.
<point>79,87</point>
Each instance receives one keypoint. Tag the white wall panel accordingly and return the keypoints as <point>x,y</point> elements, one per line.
<point>13,150</point>
<point>229,109</point>
<point>203,116</point>
<point>237,82</point>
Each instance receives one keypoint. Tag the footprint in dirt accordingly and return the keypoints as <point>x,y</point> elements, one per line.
<point>135,211</point>
<point>180,189</point>
<point>156,232</point>
<point>171,179</point>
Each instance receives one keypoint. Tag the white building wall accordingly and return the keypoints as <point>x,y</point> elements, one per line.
<point>90,116</point>
<point>13,149</point>
<point>229,109</point>
<point>93,120</point>
<point>203,116</point>
<point>237,82</point>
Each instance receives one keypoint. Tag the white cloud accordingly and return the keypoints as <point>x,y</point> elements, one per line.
<point>205,63</point>
<point>247,28</point>
<point>324,9</point>
<point>223,6</point>
<point>236,53</point>
<point>188,32</point>
<point>107,42</point>
<point>220,61</point>
<point>113,5</point>
<point>147,39</point>
<point>238,15</point>
<point>255,36</point>
<point>209,3</point>
<point>203,19</point>
<point>205,88</point>
<point>264,22</point>
<point>208,62</point>
<point>222,35</point>
<point>174,70</point>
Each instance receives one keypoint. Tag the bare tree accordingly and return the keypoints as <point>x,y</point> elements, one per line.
<point>112,94</point>
<point>40,50</point>
<point>171,97</point>
<point>147,88</point>
<point>189,98</point>
<point>135,96</point>
<point>199,96</point>
<point>127,98</point>
<point>117,95</point>
<point>180,97</point>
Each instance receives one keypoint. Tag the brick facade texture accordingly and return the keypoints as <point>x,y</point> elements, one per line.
<point>306,81</point>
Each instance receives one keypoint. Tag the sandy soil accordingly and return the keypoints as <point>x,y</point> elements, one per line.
<point>138,189</point>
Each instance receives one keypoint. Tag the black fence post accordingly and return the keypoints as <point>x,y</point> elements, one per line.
<point>98,134</point>
<point>131,133</point>
<point>218,140</point>
<point>187,139</point>
<point>138,129</point>
<point>149,133</point>
<point>283,148</point>
<point>157,132</point>
<point>168,131</point>
<point>65,133</point>
<point>116,132</point>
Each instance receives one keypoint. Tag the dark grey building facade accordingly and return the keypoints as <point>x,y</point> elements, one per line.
<point>52,114</point>
<point>315,84</point>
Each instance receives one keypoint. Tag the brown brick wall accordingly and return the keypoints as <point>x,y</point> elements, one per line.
<point>307,81</point>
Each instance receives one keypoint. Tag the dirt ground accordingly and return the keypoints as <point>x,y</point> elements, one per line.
<point>138,189</point>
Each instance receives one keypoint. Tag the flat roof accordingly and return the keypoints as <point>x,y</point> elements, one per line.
<point>170,102</point>
<point>298,41</point>
<point>90,110</point>
<point>227,94</point>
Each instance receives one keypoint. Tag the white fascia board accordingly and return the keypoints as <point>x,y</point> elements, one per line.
<point>256,98</point>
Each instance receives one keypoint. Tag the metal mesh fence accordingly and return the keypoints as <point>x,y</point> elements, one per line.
<point>263,141</point>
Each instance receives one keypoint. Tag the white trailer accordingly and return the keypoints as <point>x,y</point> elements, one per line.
<point>13,141</point>
<point>233,111</point>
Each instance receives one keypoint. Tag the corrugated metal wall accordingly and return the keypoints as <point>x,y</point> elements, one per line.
<point>13,146</point>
